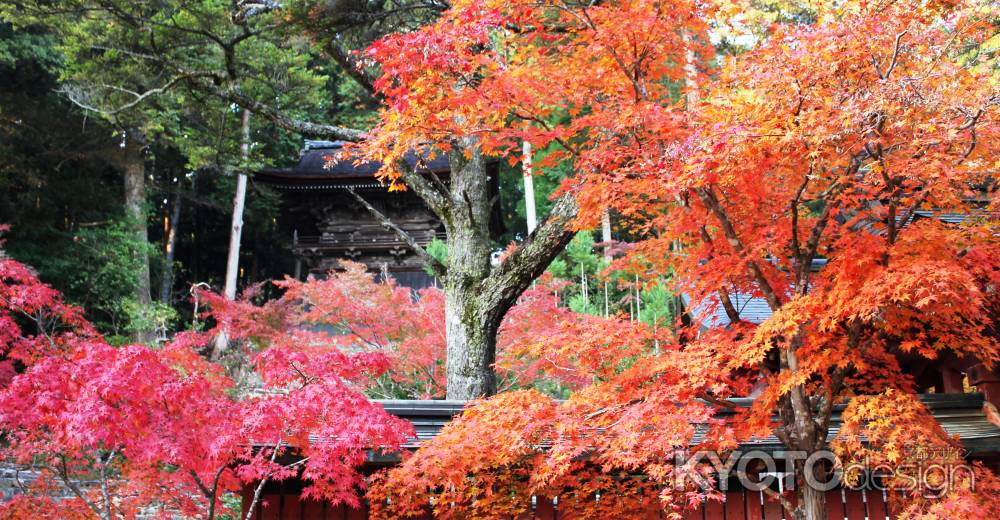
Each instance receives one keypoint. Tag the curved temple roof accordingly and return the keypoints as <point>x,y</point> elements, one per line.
<point>329,160</point>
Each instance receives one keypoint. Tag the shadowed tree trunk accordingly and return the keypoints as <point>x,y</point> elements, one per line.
<point>170,249</point>
<point>131,161</point>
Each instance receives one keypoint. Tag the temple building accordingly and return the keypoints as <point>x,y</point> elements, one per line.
<point>327,224</point>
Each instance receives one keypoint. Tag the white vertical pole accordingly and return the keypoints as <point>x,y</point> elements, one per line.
<point>606,234</point>
<point>529,188</point>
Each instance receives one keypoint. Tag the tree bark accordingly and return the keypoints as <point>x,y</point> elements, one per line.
<point>132,163</point>
<point>239,203</point>
<point>476,297</point>
<point>170,249</point>
<point>812,504</point>
<point>236,231</point>
<point>471,338</point>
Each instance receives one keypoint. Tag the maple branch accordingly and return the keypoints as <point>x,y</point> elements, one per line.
<point>638,89</point>
<point>796,250</point>
<point>893,62</point>
<point>711,201</point>
<point>912,210</point>
<point>724,298</point>
<point>718,401</point>
<point>263,482</point>
<point>895,54</point>
<point>785,503</point>
<point>544,124</point>
<point>198,482</point>
<point>104,482</point>
<point>825,411</point>
<point>433,263</point>
<point>63,471</point>
<point>812,244</point>
<point>970,125</point>
<point>727,305</point>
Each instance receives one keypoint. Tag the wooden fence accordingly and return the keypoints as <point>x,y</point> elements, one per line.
<point>738,505</point>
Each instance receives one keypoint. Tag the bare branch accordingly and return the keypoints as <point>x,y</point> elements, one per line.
<point>80,97</point>
<point>433,263</point>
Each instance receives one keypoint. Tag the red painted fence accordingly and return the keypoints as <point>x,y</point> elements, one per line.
<point>739,505</point>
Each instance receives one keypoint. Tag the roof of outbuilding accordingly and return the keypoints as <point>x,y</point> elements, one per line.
<point>958,414</point>
<point>753,309</point>
<point>330,160</point>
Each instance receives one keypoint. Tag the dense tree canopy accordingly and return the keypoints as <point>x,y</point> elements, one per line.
<point>816,145</point>
<point>834,163</point>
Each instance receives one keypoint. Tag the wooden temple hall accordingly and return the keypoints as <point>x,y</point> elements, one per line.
<point>327,224</point>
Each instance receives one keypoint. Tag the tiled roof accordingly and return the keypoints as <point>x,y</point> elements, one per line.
<point>958,414</point>
<point>328,160</point>
<point>751,308</point>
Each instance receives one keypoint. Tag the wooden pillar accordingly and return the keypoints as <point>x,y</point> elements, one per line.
<point>987,382</point>
<point>952,381</point>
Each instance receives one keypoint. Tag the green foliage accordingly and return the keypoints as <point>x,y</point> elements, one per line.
<point>657,305</point>
<point>593,289</point>
<point>231,502</point>
<point>32,45</point>
<point>157,317</point>
<point>101,273</point>
<point>439,250</point>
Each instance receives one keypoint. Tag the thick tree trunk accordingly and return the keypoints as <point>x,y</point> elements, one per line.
<point>471,337</point>
<point>812,504</point>
<point>132,163</point>
<point>476,297</point>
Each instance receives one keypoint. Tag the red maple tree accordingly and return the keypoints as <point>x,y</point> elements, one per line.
<point>117,431</point>
<point>834,143</point>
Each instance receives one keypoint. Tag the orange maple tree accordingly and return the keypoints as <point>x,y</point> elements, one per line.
<point>809,173</point>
